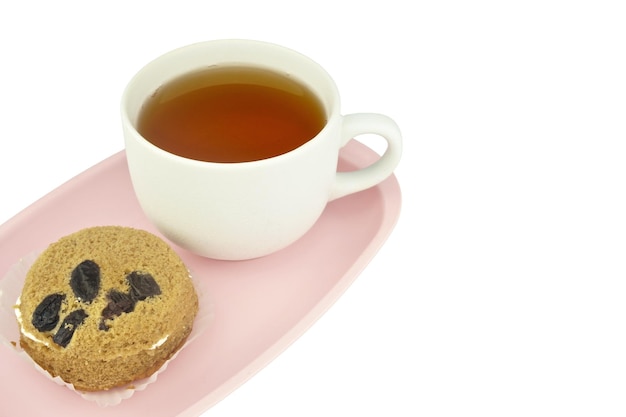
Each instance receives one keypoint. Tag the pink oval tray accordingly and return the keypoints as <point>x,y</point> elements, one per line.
<point>261,306</point>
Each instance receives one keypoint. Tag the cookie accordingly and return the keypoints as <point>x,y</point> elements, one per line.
<point>106,306</point>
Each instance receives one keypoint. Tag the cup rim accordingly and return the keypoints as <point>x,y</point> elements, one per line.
<point>332,108</point>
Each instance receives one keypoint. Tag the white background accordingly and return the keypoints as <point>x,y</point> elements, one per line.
<point>502,290</point>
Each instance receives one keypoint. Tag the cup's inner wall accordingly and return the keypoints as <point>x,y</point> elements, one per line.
<point>228,53</point>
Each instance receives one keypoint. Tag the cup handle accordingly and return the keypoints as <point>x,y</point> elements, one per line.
<point>361,179</point>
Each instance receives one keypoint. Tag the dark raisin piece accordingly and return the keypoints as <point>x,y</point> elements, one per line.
<point>142,285</point>
<point>85,281</point>
<point>68,327</point>
<point>119,303</point>
<point>46,315</point>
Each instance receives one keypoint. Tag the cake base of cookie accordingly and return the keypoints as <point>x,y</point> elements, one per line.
<point>106,306</point>
<point>133,374</point>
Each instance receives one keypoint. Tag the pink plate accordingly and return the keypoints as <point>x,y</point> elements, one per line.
<point>261,306</point>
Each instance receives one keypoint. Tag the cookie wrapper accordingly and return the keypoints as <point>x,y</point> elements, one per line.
<point>11,289</point>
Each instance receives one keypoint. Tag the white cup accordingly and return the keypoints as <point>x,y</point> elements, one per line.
<point>244,210</point>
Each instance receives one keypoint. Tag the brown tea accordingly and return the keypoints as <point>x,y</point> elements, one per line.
<point>231,114</point>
